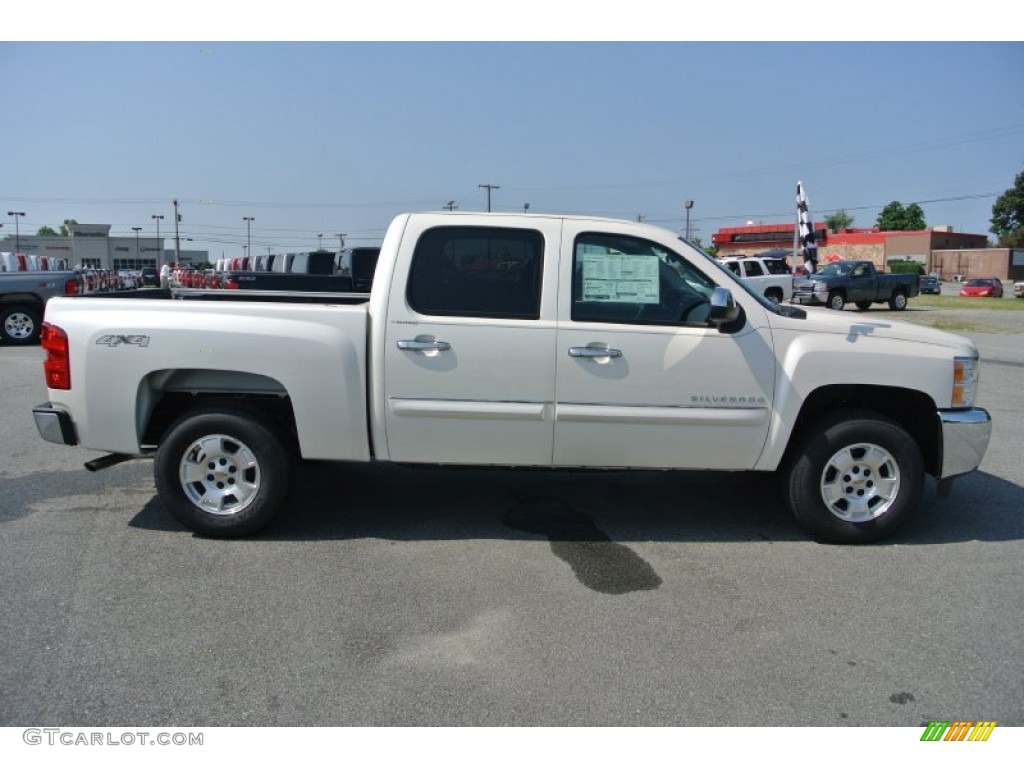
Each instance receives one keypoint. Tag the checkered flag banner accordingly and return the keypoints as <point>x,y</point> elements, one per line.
<point>807,240</point>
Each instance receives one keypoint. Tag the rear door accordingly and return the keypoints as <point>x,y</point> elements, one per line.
<point>469,346</point>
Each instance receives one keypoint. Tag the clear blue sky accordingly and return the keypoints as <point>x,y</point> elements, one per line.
<point>315,138</point>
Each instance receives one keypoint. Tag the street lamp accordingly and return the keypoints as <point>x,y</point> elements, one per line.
<point>688,205</point>
<point>138,256</point>
<point>451,205</point>
<point>159,245</point>
<point>320,242</point>
<point>526,207</point>
<point>17,237</point>
<point>341,240</point>
<point>248,233</point>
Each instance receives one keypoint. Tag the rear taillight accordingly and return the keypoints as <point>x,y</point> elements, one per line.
<point>229,283</point>
<point>71,287</point>
<point>57,365</point>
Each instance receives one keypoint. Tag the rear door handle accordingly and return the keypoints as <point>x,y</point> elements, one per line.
<point>592,352</point>
<point>424,346</point>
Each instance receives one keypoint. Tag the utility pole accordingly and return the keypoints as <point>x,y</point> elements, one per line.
<point>450,205</point>
<point>177,240</point>
<point>488,187</point>
<point>248,234</point>
<point>159,243</point>
<point>639,218</point>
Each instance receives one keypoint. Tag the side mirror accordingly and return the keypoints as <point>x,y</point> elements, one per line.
<point>724,309</point>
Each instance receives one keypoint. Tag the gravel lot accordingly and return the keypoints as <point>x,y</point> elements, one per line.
<point>393,596</point>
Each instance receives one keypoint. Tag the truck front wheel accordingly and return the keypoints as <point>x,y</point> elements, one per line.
<point>856,477</point>
<point>836,300</point>
<point>220,472</point>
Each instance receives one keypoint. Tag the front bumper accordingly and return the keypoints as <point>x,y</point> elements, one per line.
<point>810,297</point>
<point>965,436</point>
<point>54,424</point>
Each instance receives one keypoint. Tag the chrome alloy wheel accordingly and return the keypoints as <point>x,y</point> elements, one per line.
<point>219,474</point>
<point>19,325</point>
<point>860,482</point>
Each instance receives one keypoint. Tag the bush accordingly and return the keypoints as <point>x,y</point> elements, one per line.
<point>906,267</point>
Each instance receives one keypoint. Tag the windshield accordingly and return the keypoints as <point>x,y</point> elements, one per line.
<point>836,269</point>
<point>978,283</point>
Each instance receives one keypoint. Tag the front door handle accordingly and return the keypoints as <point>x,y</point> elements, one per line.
<point>592,352</point>
<point>424,346</point>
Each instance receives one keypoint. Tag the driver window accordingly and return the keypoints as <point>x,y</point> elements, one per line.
<point>622,279</point>
<point>858,272</point>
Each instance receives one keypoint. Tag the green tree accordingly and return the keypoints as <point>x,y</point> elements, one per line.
<point>47,232</point>
<point>65,228</point>
<point>897,218</point>
<point>1008,215</point>
<point>710,250</point>
<point>838,220</point>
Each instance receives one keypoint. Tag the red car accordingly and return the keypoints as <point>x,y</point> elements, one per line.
<point>991,287</point>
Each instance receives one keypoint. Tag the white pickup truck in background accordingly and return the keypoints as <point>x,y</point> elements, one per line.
<point>769,276</point>
<point>520,341</point>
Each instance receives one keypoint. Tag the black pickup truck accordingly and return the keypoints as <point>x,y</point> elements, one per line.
<point>854,282</point>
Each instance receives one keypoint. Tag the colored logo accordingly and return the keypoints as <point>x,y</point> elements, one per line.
<point>958,730</point>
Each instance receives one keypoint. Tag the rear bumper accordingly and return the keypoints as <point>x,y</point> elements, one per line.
<point>965,436</point>
<point>54,424</point>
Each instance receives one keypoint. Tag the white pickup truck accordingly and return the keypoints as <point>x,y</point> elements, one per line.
<point>521,341</point>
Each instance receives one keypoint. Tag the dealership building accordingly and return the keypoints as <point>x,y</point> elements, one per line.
<point>939,250</point>
<point>91,245</point>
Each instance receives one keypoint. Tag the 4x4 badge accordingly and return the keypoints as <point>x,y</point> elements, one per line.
<point>117,340</point>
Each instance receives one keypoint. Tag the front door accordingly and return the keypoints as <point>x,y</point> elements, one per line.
<point>642,379</point>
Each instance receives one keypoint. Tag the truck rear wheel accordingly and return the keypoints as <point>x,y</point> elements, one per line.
<point>19,325</point>
<point>220,472</point>
<point>898,301</point>
<point>856,478</point>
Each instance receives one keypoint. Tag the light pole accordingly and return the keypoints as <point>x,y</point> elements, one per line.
<point>450,205</point>
<point>526,207</point>
<point>157,217</point>
<point>488,187</point>
<point>17,235</point>
<point>320,242</point>
<point>138,256</point>
<point>341,240</point>
<point>248,234</point>
<point>688,205</point>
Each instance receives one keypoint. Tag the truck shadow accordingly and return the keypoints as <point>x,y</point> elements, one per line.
<point>345,501</point>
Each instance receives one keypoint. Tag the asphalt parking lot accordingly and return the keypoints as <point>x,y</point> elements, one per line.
<point>396,596</point>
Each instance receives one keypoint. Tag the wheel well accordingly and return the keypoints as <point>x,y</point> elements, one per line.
<point>912,410</point>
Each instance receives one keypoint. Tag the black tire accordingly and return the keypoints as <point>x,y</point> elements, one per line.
<point>863,306</point>
<point>898,301</point>
<point>773,295</point>
<point>855,477</point>
<point>246,474</point>
<point>20,325</point>
<point>836,300</point>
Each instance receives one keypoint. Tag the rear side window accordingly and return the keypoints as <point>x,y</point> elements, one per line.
<point>777,266</point>
<point>754,269</point>
<point>477,272</point>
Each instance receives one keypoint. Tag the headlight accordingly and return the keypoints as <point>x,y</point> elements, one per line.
<point>965,381</point>
<point>821,287</point>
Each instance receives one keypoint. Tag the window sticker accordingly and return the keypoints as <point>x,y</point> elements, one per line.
<point>616,277</point>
